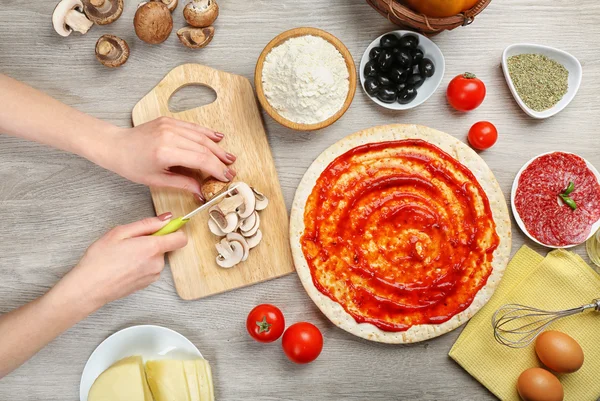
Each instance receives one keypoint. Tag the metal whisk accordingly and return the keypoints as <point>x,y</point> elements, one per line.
<point>516,326</point>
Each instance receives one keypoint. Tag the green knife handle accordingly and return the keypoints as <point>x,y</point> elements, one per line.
<point>172,226</point>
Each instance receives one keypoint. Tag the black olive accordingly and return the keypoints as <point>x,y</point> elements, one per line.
<point>384,80</point>
<point>385,60</point>
<point>415,80</point>
<point>403,58</point>
<point>415,69</point>
<point>426,67</point>
<point>372,86</point>
<point>387,95</point>
<point>417,55</point>
<point>407,95</point>
<point>401,86</point>
<point>371,69</point>
<point>399,74</point>
<point>389,40</point>
<point>374,53</point>
<point>410,41</point>
<point>395,51</point>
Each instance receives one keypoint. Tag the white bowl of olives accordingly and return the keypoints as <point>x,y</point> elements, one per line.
<point>401,69</point>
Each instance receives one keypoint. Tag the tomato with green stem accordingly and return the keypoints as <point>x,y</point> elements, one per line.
<point>265,323</point>
<point>465,92</point>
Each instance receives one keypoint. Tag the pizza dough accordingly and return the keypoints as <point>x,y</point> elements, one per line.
<point>333,310</point>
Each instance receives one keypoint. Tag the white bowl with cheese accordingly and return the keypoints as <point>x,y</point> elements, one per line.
<point>148,341</point>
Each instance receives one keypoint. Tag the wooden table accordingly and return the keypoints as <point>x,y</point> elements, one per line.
<point>53,204</point>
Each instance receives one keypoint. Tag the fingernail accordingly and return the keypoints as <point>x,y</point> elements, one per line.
<point>229,174</point>
<point>165,216</point>
<point>199,198</point>
<point>219,135</point>
<point>230,157</point>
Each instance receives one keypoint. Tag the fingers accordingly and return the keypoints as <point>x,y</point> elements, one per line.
<point>195,129</point>
<point>170,242</point>
<point>179,181</point>
<point>203,160</point>
<point>184,141</point>
<point>146,226</point>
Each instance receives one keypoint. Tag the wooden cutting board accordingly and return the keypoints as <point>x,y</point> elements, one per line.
<point>235,113</point>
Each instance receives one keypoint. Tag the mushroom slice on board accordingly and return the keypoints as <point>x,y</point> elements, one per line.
<point>211,187</point>
<point>230,253</point>
<point>261,200</point>
<point>103,12</point>
<point>153,22</point>
<point>249,222</point>
<point>215,229</point>
<point>195,38</point>
<point>226,223</point>
<point>230,204</point>
<point>112,51</point>
<point>235,237</point>
<point>171,4</point>
<point>255,239</point>
<point>252,229</point>
<point>68,16</point>
<point>201,13</point>
<point>245,191</point>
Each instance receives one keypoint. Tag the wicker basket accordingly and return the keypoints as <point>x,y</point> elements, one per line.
<point>401,15</point>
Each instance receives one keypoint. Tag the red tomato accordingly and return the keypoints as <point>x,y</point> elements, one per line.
<point>483,135</point>
<point>265,323</point>
<point>465,92</point>
<point>302,342</point>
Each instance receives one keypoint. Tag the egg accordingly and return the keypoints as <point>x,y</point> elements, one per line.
<point>537,384</point>
<point>559,352</point>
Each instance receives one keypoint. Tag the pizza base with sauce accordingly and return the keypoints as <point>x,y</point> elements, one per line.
<point>380,250</point>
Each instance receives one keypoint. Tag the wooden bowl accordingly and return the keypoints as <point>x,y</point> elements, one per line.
<point>279,39</point>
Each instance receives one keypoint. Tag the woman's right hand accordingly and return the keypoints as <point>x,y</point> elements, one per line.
<point>126,259</point>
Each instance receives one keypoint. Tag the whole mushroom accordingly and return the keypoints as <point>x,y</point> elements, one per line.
<point>153,22</point>
<point>171,4</point>
<point>201,13</point>
<point>112,51</point>
<point>68,16</point>
<point>103,12</point>
<point>195,38</point>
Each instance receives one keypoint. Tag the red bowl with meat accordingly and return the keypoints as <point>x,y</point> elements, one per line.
<point>555,199</point>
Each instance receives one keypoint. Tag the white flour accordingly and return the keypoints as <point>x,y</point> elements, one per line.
<point>305,79</point>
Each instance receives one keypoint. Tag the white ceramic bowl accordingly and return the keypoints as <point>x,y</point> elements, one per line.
<point>431,51</point>
<point>562,57</point>
<point>150,342</point>
<point>520,222</point>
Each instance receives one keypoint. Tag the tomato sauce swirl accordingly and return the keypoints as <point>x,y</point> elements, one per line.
<point>399,233</point>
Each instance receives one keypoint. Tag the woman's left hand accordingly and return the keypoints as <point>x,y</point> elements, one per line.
<point>147,153</point>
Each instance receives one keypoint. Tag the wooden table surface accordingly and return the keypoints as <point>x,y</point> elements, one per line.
<point>53,204</point>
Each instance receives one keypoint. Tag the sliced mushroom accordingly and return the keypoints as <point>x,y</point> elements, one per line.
<point>112,51</point>
<point>249,222</point>
<point>103,12</point>
<point>254,240</point>
<point>68,16</point>
<point>253,229</point>
<point>201,13</point>
<point>261,200</point>
<point>212,187</point>
<point>230,204</point>
<point>171,4</point>
<point>245,191</point>
<point>226,223</point>
<point>231,253</point>
<point>214,228</point>
<point>235,237</point>
<point>195,38</point>
<point>153,22</point>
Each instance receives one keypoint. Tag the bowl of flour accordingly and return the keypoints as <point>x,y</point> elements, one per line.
<point>305,79</point>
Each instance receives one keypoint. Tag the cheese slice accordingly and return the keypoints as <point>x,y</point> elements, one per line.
<point>177,380</point>
<point>125,380</point>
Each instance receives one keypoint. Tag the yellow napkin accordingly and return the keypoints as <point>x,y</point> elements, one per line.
<point>562,280</point>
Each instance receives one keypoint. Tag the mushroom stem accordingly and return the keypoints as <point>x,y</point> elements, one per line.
<point>108,49</point>
<point>97,3</point>
<point>78,21</point>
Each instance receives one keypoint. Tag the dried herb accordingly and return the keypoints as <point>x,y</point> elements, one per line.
<point>540,81</point>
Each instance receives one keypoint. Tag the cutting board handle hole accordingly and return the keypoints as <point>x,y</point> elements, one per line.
<point>190,97</point>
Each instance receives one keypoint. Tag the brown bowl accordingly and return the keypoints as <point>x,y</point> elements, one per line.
<point>279,39</point>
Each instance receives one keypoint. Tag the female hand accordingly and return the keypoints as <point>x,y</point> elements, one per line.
<point>123,261</point>
<point>147,153</point>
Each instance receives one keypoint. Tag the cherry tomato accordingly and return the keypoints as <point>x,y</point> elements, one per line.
<point>302,342</point>
<point>265,323</point>
<point>483,135</point>
<point>465,92</point>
